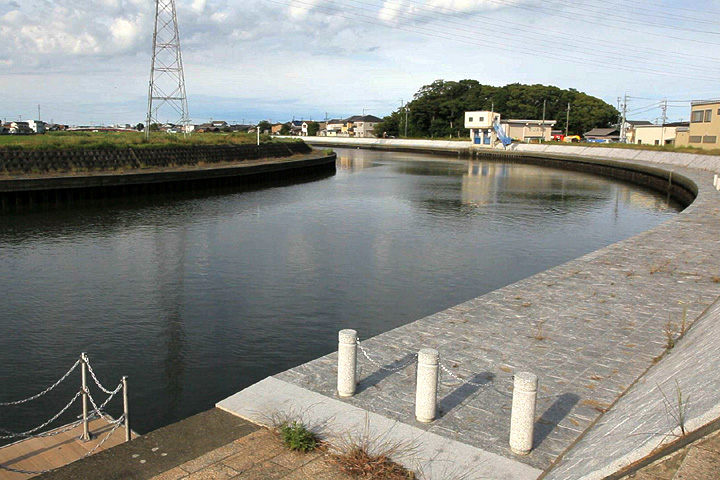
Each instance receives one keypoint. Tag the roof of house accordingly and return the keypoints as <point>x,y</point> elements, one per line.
<point>538,122</point>
<point>363,118</point>
<point>636,123</point>
<point>671,124</point>
<point>704,102</point>
<point>602,132</point>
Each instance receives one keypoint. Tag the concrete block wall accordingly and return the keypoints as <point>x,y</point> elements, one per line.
<point>80,160</point>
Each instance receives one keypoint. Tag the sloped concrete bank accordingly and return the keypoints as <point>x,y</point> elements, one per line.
<point>173,170</point>
<point>595,330</point>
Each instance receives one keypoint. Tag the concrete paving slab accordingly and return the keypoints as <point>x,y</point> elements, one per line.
<point>437,457</point>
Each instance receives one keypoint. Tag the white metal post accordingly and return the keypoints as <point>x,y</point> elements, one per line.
<point>86,430</point>
<point>126,408</point>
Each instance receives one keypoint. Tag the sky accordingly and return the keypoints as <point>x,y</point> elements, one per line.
<point>88,62</point>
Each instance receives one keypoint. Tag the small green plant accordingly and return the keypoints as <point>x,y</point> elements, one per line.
<point>670,331</point>
<point>298,437</point>
<point>677,409</point>
<point>328,151</point>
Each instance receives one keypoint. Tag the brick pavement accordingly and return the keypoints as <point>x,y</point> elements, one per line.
<point>258,456</point>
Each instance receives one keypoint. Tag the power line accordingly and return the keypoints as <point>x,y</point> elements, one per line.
<point>584,20</point>
<point>646,13</point>
<point>656,5</point>
<point>573,37</point>
<point>645,58</point>
<point>474,41</point>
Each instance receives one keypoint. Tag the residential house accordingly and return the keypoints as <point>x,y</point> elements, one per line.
<point>602,135</point>
<point>631,125</point>
<point>334,127</point>
<point>704,129</point>
<point>37,126</point>
<point>657,134</point>
<point>529,131</point>
<point>362,125</point>
<point>20,128</point>
<point>214,126</point>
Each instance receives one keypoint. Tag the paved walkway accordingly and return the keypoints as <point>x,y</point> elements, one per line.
<point>258,456</point>
<point>588,329</point>
<point>210,445</point>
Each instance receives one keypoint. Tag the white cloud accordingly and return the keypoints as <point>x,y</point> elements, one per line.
<point>323,51</point>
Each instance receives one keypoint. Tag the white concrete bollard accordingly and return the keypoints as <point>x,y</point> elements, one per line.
<point>347,363</point>
<point>427,381</point>
<point>715,180</point>
<point>522,419</point>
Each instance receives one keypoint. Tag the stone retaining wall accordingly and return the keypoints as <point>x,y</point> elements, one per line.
<point>64,161</point>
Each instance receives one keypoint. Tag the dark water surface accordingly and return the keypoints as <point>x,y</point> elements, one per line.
<point>195,296</point>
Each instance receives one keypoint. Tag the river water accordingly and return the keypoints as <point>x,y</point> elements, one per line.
<point>197,295</point>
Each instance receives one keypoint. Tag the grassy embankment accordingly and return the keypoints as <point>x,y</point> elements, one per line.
<point>119,140</point>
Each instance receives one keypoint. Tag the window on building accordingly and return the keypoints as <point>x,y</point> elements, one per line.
<point>695,139</point>
<point>657,142</point>
<point>718,112</point>
<point>697,116</point>
<point>708,115</point>
<point>470,119</point>
<point>481,119</point>
<point>709,139</point>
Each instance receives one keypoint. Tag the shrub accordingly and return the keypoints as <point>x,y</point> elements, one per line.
<point>296,436</point>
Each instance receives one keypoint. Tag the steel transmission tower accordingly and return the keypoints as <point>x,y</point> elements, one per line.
<point>166,95</point>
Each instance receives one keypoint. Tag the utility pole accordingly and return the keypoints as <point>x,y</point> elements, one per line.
<point>406,119</point>
<point>39,113</point>
<point>664,121</point>
<point>543,122</point>
<point>167,79</point>
<point>623,124</point>
<point>567,120</point>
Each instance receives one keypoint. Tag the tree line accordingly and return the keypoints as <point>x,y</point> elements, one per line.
<point>437,110</point>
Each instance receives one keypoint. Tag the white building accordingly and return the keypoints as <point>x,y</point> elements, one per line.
<point>37,126</point>
<point>657,134</point>
<point>481,127</point>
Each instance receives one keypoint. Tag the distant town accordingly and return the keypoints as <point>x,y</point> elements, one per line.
<point>702,131</point>
<point>353,126</point>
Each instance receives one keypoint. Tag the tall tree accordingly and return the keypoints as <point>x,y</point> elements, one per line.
<point>438,109</point>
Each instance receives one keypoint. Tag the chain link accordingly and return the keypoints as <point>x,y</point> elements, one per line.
<point>18,402</point>
<point>92,374</point>
<point>29,432</point>
<point>382,367</point>
<point>98,410</point>
<point>462,380</point>
<point>116,423</point>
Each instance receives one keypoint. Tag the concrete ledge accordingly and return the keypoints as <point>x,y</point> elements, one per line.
<point>437,457</point>
<point>246,168</point>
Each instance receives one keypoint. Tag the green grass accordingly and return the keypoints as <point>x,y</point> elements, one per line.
<point>298,437</point>
<point>120,140</point>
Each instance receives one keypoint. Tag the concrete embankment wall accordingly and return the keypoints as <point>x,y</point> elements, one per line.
<point>81,160</point>
<point>649,284</point>
<point>174,170</point>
